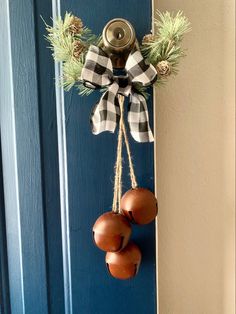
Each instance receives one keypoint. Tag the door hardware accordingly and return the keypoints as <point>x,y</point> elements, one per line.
<point>118,39</point>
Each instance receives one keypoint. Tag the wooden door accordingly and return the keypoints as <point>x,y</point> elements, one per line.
<point>58,177</point>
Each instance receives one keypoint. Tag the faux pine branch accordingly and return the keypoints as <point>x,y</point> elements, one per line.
<point>163,49</point>
<point>69,40</point>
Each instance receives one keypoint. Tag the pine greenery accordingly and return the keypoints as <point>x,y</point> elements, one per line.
<point>71,73</point>
<point>163,50</point>
<point>166,45</point>
<point>61,41</point>
<point>62,44</point>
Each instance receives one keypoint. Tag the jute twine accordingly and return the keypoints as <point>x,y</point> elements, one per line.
<point>122,134</point>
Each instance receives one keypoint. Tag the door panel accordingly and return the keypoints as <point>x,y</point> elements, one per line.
<point>89,162</point>
<point>58,177</point>
<point>49,159</point>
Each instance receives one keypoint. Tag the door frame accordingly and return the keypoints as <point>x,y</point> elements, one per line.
<point>21,158</point>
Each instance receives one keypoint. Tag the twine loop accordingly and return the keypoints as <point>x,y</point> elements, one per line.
<point>122,134</point>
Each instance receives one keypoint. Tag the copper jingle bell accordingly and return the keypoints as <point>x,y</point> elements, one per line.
<point>111,232</point>
<point>124,264</point>
<point>139,206</point>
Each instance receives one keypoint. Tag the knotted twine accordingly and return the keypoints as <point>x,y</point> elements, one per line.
<point>118,166</point>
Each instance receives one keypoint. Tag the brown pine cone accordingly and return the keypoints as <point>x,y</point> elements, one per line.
<point>76,26</point>
<point>163,68</point>
<point>78,48</point>
<point>149,38</point>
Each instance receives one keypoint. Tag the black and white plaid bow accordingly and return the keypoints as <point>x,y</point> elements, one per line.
<point>98,72</point>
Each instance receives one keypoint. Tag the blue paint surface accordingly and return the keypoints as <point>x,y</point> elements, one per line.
<point>90,185</point>
<point>30,166</point>
<point>49,159</point>
<point>21,159</point>
<point>4,282</point>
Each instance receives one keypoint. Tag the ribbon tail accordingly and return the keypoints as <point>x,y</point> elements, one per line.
<point>138,119</point>
<point>106,114</point>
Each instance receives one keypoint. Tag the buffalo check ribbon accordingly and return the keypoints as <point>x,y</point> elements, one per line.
<point>98,73</point>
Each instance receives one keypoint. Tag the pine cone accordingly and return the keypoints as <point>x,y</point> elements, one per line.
<point>149,38</point>
<point>78,48</point>
<point>76,26</point>
<point>163,68</point>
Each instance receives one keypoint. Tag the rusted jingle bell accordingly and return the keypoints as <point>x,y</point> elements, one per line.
<point>139,206</point>
<point>111,232</point>
<point>124,264</point>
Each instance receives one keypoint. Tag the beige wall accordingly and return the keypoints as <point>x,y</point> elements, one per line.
<point>195,166</point>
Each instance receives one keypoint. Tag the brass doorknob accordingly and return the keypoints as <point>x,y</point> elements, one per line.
<point>118,39</point>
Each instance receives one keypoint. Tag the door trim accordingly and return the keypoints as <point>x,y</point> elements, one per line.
<point>19,124</point>
<point>63,177</point>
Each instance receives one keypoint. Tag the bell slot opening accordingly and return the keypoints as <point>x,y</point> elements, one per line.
<point>108,269</point>
<point>131,217</point>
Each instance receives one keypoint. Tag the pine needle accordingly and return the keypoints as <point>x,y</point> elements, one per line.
<point>71,73</point>
<point>166,46</point>
<point>62,44</point>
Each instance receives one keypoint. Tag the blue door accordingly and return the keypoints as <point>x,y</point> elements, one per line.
<point>58,177</point>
